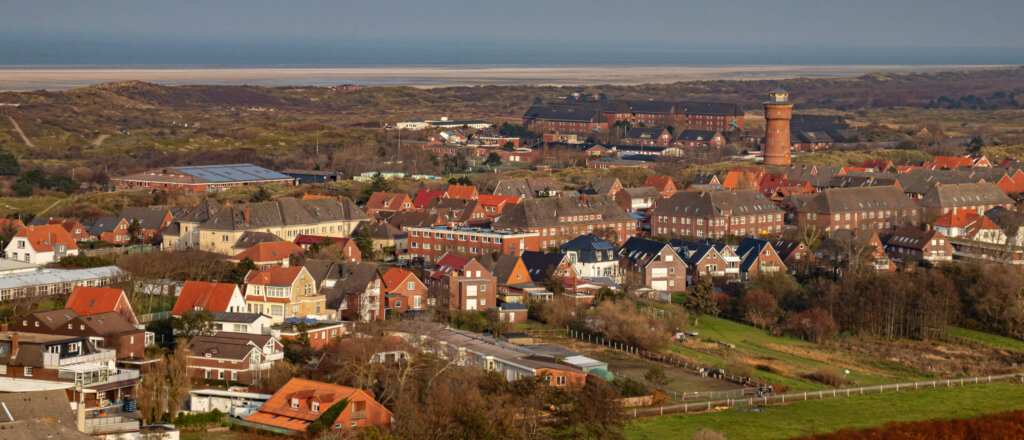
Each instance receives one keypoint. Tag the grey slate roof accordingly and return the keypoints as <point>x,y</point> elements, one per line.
<point>249,239</point>
<point>964,194</point>
<point>103,224</point>
<point>247,318</point>
<point>644,133</point>
<point>545,212</point>
<point>857,199</point>
<point>568,113</point>
<point>538,263</point>
<point>285,212</point>
<point>696,135</point>
<point>149,218</point>
<point>708,204</point>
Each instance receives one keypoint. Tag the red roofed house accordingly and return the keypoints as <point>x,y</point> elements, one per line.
<point>461,284</point>
<point>41,244</point>
<point>663,184</point>
<point>75,228</point>
<point>300,402</point>
<point>14,224</point>
<point>269,253</point>
<point>879,165</point>
<point>388,202</point>
<point>971,226</point>
<point>403,291</point>
<point>494,205</point>
<point>92,300</point>
<point>347,245</point>
<point>744,178</point>
<point>424,197</point>
<point>954,162</point>
<point>465,192</point>
<point>284,292</point>
<point>212,297</point>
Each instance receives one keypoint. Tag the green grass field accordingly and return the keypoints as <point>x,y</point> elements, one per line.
<point>824,416</point>
<point>988,339</point>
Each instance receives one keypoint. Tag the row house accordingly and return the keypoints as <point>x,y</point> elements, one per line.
<point>649,113</point>
<point>713,214</point>
<point>793,253</point>
<point>758,257</point>
<point>36,361</point>
<point>430,243</point>
<point>41,245</point>
<point>712,116</point>
<point>301,402</point>
<point>210,297</point>
<point>911,245</point>
<point>286,218</point>
<point>284,292</point>
<point>954,162</point>
<point>352,290</point>
<point>461,284</point>
<point>976,197</point>
<point>868,208</point>
<point>39,282</point>
<point>103,330</point>
<point>565,119</point>
<point>850,247</point>
<point>657,264</point>
<point>540,265</point>
<point>242,358</point>
<point>707,258</point>
<point>558,220</point>
<point>511,275</point>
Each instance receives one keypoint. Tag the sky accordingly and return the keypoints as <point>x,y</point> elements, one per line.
<point>637,23</point>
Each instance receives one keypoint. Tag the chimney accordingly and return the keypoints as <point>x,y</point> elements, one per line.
<point>246,213</point>
<point>14,344</point>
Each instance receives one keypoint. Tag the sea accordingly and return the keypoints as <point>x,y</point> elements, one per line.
<point>84,53</point>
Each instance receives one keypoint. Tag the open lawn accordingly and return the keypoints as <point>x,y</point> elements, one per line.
<point>988,339</point>
<point>823,416</point>
<point>783,360</point>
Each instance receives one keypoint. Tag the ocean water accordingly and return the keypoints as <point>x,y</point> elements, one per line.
<point>17,51</point>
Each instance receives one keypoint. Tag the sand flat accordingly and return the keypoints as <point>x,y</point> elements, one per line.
<point>26,78</point>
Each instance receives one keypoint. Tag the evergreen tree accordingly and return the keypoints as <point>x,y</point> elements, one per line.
<point>364,241</point>
<point>262,194</point>
<point>701,299</point>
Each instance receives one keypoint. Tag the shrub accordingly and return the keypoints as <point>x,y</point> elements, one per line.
<point>707,434</point>
<point>629,387</point>
<point>814,325</point>
<point>828,376</point>
<point>199,421</point>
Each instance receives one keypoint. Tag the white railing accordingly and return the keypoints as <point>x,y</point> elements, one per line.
<point>103,355</point>
<point>123,375</point>
<point>102,425</point>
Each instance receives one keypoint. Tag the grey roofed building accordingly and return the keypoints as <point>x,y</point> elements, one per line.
<point>640,251</point>
<point>149,218</point>
<point>513,187</point>
<point>857,199</point>
<point>336,279</point>
<point>696,136</point>
<point>642,192</point>
<point>690,251</point>
<point>749,250</point>
<point>964,194</point>
<point>103,224</point>
<point>246,318</point>
<point>709,108</point>
<point>44,277</point>
<point>644,133</point>
<point>199,213</point>
<point>819,176</point>
<point>41,429</point>
<point>567,113</point>
<point>811,137</point>
<point>51,405</point>
<point>538,263</point>
<point>707,204</point>
<point>500,265</point>
<point>854,179</point>
<point>705,179</point>
<point>228,345</point>
<point>249,239</point>
<point>411,219</point>
<point>545,212</point>
<point>603,185</point>
<point>589,249</point>
<point>285,212</point>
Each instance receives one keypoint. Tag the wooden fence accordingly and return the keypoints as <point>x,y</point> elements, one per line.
<point>814,395</point>
<point>150,317</point>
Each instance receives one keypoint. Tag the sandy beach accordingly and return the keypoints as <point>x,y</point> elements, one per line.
<point>31,78</point>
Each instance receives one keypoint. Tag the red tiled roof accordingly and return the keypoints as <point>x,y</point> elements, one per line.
<point>955,220</point>
<point>386,200</point>
<point>277,275</point>
<point>467,192</point>
<point>493,200</point>
<point>269,251</point>
<point>92,300</point>
<point>424,197</point>
<point>658,182</point>
<point>448,263</point>
<point>42,238</point>
<point>394,277</point>
<point>214,297</point>
<point>278,410</point>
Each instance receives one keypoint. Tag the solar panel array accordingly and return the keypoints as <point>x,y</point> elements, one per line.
<point>231,173</point>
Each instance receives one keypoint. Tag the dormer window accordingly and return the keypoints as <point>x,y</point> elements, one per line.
<point>316,407</point>
<point>295,402</point>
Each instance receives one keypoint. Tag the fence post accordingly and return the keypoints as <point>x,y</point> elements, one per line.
<point>686,407</point>
<point>897,387</point>
<point>634,413</point>
<point>805,395</point>
<point>709,406</point>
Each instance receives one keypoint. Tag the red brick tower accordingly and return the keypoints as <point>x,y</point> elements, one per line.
<point>777,113</point>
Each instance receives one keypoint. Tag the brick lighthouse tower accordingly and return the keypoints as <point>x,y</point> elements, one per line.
<point>777,113</point>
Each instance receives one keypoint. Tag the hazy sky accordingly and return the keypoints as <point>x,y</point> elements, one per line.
<point>988,23</point>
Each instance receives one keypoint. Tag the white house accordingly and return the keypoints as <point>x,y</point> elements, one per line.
<point>41,244</point>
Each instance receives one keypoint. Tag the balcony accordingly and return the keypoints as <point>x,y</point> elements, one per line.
<point>110,425</point>
<point>96,374</point>
<point>101,355</point>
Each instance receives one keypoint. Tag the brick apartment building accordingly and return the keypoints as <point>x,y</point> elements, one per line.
<point>560,219</point>
<point>430,243</point>
<point>865,208</point>
<point>712,214</point>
